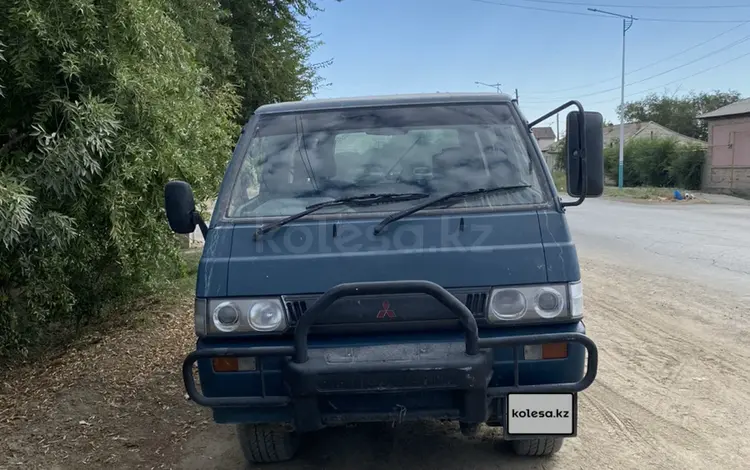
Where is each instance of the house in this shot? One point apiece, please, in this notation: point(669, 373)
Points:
point(644, 130)
point(727, 167)
point(545, 136)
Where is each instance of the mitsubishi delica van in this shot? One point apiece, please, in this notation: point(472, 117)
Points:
point(391, 259)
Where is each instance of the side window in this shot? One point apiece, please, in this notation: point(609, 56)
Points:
point(433, 141)
point(248, 179)
point(506, 154)
point(355, 152)
point(439, 139)
point(358, 154)
point(506, 143)
point(359, 142)
point(268, 160)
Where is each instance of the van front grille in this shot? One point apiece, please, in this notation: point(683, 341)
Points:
point(296, 308)
point(474, 300)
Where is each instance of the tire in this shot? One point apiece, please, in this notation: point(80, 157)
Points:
point(265, 443)
point(537, 447)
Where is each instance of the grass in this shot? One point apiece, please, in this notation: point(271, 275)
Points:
point(191, 258)
point(644, 193)
point(133, 313)
point(560, 181)
point(113, 397)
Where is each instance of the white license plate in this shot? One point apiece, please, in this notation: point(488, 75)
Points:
point(541, 414)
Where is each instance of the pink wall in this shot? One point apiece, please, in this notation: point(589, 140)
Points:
point(731, 141)
point(728, 166)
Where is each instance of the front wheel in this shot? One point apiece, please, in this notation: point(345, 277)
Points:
point(537, 447)
point(265, 443)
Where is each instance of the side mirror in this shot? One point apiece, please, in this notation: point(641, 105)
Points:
point(593, 146)
point(180, 205)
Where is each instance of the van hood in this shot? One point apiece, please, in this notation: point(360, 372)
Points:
point(453, 251)
point(466, 254)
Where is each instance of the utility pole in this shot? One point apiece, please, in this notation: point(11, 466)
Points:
point(496, 86)
point(627, 22)
point(516, 94)
point(557, 135)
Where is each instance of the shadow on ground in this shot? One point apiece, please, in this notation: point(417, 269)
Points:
point(412, 446)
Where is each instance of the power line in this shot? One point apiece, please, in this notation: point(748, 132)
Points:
point(524, 7)
point(710, 54)
point(708, 69)
point(653, 7)
point(496, 86)
point(671, 20)
point(656, 62)
point(577, 13)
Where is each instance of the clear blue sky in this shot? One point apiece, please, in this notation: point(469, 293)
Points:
point(406, 46)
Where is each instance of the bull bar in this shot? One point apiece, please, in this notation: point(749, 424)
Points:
point(469, 372)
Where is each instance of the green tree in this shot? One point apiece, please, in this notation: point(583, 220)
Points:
point(206, 28)
point(102, 103)
point(680, 113)
point(273, 45)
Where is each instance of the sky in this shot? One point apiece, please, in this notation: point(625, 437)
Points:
point(550, 57)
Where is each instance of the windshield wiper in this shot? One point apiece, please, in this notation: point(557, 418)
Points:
point(418, 207)
point(362, 200)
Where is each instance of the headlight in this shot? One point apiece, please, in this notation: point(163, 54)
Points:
point(226, 317)
point(549, 302)
point(265, 316)
point(535, 303)
point(219, 316)
point(507, 304)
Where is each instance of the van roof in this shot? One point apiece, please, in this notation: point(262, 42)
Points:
point(382, 100)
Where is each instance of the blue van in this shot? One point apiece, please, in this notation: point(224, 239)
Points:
point(387, 259)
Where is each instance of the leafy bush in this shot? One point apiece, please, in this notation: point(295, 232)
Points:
point(687, 167)
point(657, 162)
point(561, 154)
point(102, 103)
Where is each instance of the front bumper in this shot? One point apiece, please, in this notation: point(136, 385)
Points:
point(467, 372)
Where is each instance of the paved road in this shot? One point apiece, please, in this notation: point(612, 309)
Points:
point(707, 243)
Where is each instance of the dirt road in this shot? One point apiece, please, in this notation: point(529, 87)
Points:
point(672, 393)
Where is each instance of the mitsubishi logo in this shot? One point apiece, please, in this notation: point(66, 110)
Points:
point(386, 311)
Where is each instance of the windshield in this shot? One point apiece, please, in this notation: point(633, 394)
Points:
point(295, 160)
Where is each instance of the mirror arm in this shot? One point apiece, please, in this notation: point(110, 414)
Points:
point(582, 151)
point(555, 111)
point(198, 220)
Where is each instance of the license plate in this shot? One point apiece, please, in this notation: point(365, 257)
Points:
point(541, 414)
point(390, 353)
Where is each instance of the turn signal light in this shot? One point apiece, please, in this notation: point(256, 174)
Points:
point(545, 351)
point(233, 364)
point(555, 351)
point(225, 364)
